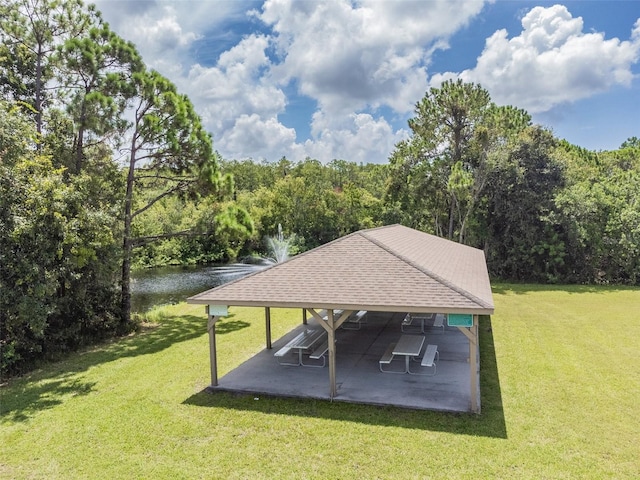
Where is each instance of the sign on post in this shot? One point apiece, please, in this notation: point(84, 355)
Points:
point(218, 310)
point(460, 319)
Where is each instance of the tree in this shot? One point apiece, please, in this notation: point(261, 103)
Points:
point(57, 253)
point(440, 173)
point(70, 199)
point(523, 239)
point(249, 176)
point(170, 154)
point(232, 227)
point(356, 209)
point(600, 211)
point(631, 142)
point(447, 117)
point(31, 31)
point(96, 72)
point(314, 202)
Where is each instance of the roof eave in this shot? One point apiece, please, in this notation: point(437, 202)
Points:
point(479, 310)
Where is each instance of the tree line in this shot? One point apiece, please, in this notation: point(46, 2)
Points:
point(106, 167)
point(90, 140)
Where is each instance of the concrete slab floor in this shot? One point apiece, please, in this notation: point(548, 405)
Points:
point(358, 377)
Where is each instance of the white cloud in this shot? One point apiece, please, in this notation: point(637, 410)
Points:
point(157, 34)
point(354, 137)
point(350, 56)
point(252, 136)
point(551, 62)
point(235, 86)
point(164, 31)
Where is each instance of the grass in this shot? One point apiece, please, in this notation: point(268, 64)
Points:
point(560, 385)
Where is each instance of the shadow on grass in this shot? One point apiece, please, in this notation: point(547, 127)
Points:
point(490, 423)
point(56, 382)
point(40, 396)
point(525, 288)
point(225, 326)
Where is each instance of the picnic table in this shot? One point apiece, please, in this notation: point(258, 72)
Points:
point(354, 321)
point(409, 319)
point(408, 345)
point(301, 344)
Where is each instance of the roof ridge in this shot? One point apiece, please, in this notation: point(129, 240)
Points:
point(426, 271)
point(381, 227)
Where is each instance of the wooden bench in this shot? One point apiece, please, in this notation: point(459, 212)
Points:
point(355, 320)
point(431, 356)
point(387, 357)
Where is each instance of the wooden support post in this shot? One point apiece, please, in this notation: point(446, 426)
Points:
point(322, 322)
point(341, 319)
point(473, 365)
point(472, 335)
point(267, 318)
point(330, 325)
point(331, 338)
point(304, 316)
point(211, 327)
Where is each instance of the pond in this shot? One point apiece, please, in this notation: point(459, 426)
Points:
point(169, 285)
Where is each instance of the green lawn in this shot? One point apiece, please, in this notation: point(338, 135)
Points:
point(560, 386)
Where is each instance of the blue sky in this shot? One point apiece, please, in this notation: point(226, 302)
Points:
point(339, 79)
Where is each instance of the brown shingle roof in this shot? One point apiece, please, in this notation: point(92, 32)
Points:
point(393, 268)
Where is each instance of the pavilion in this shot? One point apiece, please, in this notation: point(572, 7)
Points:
point(392, 269)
